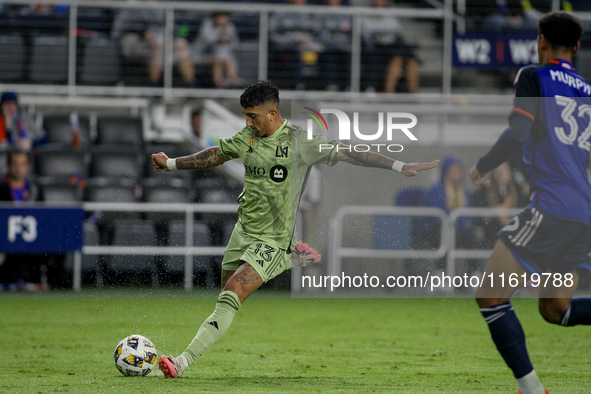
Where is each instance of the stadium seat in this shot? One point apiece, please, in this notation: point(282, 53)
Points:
point(112, 190)
point(218, 196)
point(100, 63)
point(90, 263)
point(126, 130)
point(133, 233)
point(58, 189)
point(171, 190)
point(175, 236)
point(203, 185)
point(12, 48)
point(228, 228)
point(116, 161)
point(94, 19)
point(248, 60)
point(49, 61)
point(62, 161)
point(59, 129)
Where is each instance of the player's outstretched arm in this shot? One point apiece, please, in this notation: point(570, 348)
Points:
point(207, 158)
point(372, 159)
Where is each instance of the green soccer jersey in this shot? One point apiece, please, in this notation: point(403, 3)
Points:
point(276, 170)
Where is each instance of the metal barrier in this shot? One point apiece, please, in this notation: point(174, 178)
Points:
point(188, 250)
point(337, 251)
point(448, 235)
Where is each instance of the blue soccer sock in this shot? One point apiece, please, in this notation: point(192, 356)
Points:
point(579, 312)
point(508, 336)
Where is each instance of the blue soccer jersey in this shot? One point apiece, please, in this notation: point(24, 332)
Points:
point(556, 154)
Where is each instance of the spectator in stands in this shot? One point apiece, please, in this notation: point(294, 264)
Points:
point(503, 193)
point(498, 15)
point(385, 52)
point(217, 39)
point(295, 37)
point(448, 194)
point(19, 271)
point(141, 31)
point(17, 186)
point(335, 35)
point(17, 128)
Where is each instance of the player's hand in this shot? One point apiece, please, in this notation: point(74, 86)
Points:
point(159, 161)
point(478, 177)
point(411, 169)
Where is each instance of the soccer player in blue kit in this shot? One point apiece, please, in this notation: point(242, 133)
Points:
point(551, 122)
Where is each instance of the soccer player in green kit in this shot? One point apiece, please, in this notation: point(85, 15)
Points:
point(277, 158)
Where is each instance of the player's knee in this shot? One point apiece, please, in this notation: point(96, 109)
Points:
point(552, 309)
point(487, 302)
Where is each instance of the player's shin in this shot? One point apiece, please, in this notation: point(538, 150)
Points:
point(214, 327)
point(509, 338)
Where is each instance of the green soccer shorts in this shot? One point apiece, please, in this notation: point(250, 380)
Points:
point(266, 258)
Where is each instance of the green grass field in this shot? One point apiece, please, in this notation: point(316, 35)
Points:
point(64, 342)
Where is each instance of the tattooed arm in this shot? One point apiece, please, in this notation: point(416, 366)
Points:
point(372, 159)
point(207, 158)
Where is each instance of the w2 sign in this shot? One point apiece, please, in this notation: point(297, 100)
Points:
point(495, 50)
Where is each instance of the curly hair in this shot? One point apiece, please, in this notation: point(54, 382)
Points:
point(561, 29)
point(259, 93)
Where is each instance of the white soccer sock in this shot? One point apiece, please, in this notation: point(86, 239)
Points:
point(530, 384)
point(184, 361)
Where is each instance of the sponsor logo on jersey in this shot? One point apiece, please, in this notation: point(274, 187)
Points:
point(250, 150)
point(260, 171)
point(278, 173)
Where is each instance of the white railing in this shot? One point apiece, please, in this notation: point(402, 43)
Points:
point(447, 245)
point(337, 251)
point(188, 250)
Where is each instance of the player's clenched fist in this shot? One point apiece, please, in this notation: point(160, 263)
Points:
point(159, 161)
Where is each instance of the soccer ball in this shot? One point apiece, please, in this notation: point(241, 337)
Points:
point(135, 355)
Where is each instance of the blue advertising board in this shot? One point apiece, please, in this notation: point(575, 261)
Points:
point(40, 229)
point(495, 50)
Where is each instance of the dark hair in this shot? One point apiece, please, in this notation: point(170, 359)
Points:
point(561, 29)
point(259, 93)
point(16, 151)
point(220, 13)
point(8, 96)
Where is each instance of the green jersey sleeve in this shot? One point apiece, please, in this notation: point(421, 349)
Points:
point(231, 147)
point(318, 150)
